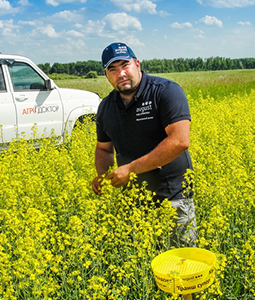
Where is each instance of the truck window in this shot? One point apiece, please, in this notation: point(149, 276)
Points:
point(24, 77)
point(2, 82)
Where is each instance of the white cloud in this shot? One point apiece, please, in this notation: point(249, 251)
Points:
point(30, 23)
point(6, 8)
point(122, 22)
point(24, 3)
point(74, 33)
point(244, 23)
point(112, 24)
point(5, 5)
point(209, 20)
point(48, 31)
point(181, 25)
point(78, 25)
point(132, 41)
point(227, 3)
point(199, 34)
point(66, 16)
point(95, 28)
point(7, 28)
point(74, 44)
point(58, 2)
point(52, 2)
point(67, 48)
point(163, 13)
point(145, 6)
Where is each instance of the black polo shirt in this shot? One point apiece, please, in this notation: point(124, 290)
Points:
point(137, 129)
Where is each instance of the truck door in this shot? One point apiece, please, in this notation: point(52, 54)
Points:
point(8, 128)
point(36, 106)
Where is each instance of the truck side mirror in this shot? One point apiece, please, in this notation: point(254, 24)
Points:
point(49, 84)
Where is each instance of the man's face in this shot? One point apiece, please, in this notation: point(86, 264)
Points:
point(124, 76)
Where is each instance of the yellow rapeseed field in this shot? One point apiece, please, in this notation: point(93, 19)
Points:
point(58, 240)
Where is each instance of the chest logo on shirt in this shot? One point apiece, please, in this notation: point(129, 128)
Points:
point(144, 112)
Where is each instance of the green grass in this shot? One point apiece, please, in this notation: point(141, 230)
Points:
point(216, 84)
point(99, 85)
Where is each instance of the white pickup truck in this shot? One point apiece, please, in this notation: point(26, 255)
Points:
point(29, 98)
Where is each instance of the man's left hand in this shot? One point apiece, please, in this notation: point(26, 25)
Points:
point(120, 176)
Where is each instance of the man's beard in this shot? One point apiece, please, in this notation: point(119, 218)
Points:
point(128, 91)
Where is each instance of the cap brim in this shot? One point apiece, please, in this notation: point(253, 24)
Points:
point(117, 58)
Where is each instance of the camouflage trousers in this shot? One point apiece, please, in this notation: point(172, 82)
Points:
point(185, 231)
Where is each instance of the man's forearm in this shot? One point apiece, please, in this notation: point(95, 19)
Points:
point(176, 142)
point(103, 160)
point(163, 154)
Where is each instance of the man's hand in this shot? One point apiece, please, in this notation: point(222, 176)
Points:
point(96, 184)
point(103, 160)
point(120, 176)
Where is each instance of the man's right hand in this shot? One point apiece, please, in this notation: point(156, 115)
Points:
point(104, 159)
point(96, 184)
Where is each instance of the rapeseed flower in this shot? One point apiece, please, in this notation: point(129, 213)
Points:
point(58, 240)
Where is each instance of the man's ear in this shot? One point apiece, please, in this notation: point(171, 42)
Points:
point(137, 62)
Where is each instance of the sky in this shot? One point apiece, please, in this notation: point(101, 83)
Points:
point(64, 31)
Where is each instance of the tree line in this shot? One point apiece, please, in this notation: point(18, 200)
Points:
point(83, 68)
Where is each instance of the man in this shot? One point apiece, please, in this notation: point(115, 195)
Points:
point(146, 121)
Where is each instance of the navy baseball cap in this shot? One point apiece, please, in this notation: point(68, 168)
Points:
point(116, 51)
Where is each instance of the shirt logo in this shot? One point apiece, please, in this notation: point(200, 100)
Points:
point(143, 112)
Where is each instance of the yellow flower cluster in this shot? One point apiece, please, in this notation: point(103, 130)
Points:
point(58, 240)
point(222, 148)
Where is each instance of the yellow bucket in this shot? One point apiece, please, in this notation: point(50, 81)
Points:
point(184, 270)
